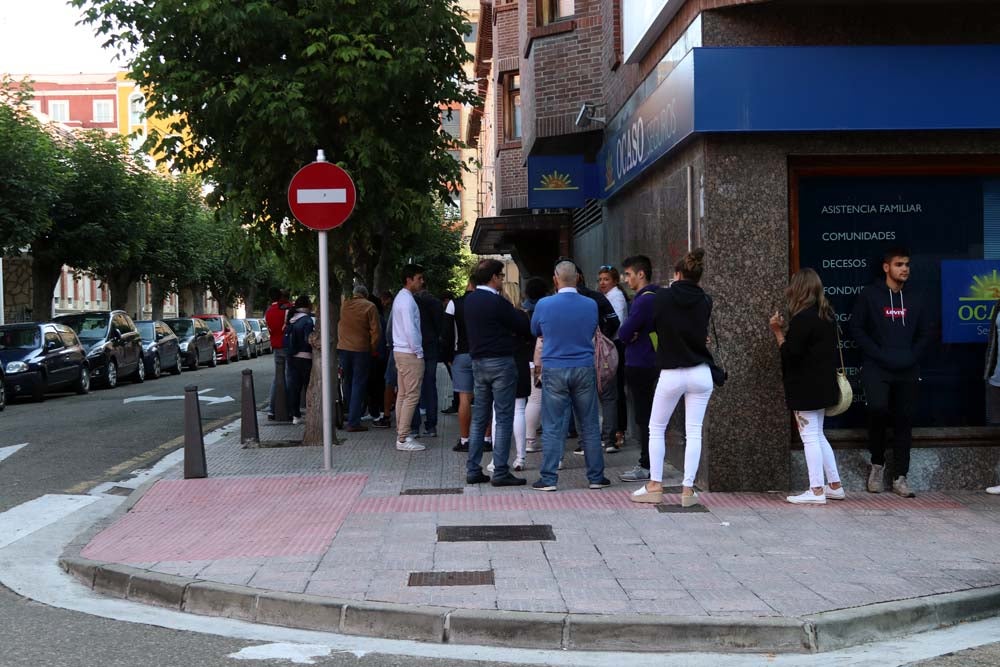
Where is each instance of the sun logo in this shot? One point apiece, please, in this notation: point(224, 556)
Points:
point(557, 181)
point(984, 288)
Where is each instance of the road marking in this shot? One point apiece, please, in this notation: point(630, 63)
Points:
point(145, 458)
point(211, 400)
point(300, 654)
point(8, 451)
point(322, 196)
point(36, 514)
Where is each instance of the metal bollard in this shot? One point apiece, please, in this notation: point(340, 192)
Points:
point(194, 440)
point(249, 432)
point(280, 407)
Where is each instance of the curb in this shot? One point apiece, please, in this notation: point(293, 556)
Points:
point(811, 634)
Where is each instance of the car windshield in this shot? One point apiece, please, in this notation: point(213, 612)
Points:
point(181, 327)
point(254, 324)
point(19, 338)
point(239, 326)
point(87, 326)
point(214, 323)
point(146, 330)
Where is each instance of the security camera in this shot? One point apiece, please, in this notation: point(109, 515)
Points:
point(583, 118)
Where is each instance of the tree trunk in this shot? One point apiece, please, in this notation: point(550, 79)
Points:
point(44, 278)
point(314, 415)
point(120, 285)
point(159, 294)
point(250, 303)
point(383, 279)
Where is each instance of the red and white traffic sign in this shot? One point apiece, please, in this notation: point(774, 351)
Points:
point(321, 196)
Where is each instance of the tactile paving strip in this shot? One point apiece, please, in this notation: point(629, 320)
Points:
point(854, 501)
point(231, 517)
point(498, 502)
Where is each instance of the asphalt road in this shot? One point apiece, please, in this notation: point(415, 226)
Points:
point(76, 442)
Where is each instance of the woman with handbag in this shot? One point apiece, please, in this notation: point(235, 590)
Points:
point(681, 315)
point(809, 348)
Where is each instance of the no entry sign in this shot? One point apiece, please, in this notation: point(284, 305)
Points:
point(321, 196)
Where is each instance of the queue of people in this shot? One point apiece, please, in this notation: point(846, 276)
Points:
point(520, 369)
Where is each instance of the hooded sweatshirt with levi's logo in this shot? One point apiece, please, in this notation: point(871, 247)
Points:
point(891, 328)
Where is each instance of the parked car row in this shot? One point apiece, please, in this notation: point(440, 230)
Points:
point(72, 352)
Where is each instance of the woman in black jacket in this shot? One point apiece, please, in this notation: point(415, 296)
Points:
point(680, 317)
point(809, 371)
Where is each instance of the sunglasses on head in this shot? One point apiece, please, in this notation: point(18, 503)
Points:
point(606, 267)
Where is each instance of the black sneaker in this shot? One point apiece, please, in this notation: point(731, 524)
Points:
point(461, 446)
point(578, 451)
point(542, 486)
point(450, 411)
point(603, 484)
point(508, 480)
point(478, 478)
point(381, 422)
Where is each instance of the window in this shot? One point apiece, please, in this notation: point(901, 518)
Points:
point(548, 11)
point(471, 31)
point(136, 109)
point(59, 110)
point(512, 107)
point(67, 336)
point(34, 105)
point(453, 206)
point(451, 123)
point(52, 340)
point(104, 111)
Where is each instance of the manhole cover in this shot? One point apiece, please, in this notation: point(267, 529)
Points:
point(432, 492)
point(119, 491)
point(480, 578)
point(532, 533)
point(677, 509)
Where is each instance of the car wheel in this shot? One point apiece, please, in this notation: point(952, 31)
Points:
point(157, 369)
point(140, 372)
point(111, 379)
point(82, 385)
point(213, 362)
point(178, 364)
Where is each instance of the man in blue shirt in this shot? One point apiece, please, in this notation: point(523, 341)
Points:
point(567, 322)
point(493, 327)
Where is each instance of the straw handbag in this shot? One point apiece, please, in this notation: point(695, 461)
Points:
point(843, 384)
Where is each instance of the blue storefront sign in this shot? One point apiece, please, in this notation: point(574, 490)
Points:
point(801, 89)
point(560, 181)
point(969, 288)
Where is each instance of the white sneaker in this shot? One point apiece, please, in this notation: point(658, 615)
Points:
point(298, 420)
point(489, 467)
point(518, 464)
point(533, 446)
point(807, 497)
point(837, 494)
point(409, 445)
point(993, 490)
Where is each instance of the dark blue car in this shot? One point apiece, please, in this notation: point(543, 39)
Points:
point(40, 358)
point(160, 348)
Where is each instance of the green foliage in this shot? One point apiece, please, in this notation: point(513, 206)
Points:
point(31, 174)
point(258, 86)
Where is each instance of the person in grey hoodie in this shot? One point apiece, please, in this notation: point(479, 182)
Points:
point(890, 325)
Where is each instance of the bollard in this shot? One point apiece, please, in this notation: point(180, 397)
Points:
point(280, 407)
point(249, 433)
point(194, 440)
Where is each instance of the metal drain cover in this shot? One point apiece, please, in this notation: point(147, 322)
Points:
point(475, 578)
point(529, 533)
point(457, 491)
point(677, 509)
point(119, 491)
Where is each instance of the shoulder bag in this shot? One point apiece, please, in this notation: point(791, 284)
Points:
point(843, 385)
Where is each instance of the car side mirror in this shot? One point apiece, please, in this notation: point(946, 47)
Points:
point(160, 335)
point(116, 334)
point(50, 345)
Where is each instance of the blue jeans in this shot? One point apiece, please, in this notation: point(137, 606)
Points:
point(355, 366)
point(428, 399)
point(279, 353)
point(298, 379)
point(568, 391)
point(495, 386)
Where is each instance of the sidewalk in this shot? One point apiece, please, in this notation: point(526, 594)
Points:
point(365, 549)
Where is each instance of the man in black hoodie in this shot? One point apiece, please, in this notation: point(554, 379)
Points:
point(891, 328)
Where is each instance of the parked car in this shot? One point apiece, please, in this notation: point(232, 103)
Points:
point(263, 335)
point(246, 339)
point(38, 358)
point(195, 340)
point(160, 348)
point(226, 344)
point(113, 344)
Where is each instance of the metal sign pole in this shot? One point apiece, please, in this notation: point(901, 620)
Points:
point(324, 337)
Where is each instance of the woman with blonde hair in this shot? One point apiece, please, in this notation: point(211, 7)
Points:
point(808, 348)
point(681, 314)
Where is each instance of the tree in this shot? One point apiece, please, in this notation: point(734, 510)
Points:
point(31, 174)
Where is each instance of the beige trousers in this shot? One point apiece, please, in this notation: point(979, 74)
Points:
point(410, 374)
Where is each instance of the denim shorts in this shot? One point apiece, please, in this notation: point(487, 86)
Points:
point(461, 373)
